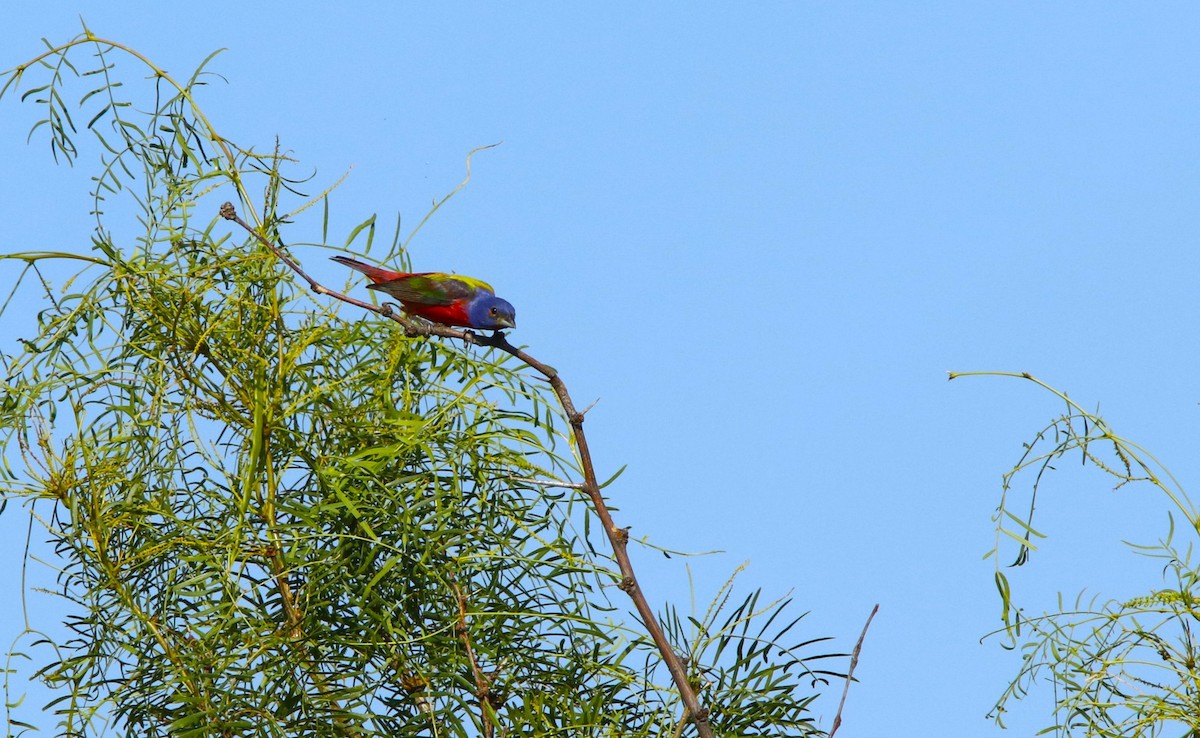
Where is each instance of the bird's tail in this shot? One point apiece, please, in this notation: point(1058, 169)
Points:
point(375, 273)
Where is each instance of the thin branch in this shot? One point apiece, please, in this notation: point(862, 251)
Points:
point(837, 719)
point(547, 482)
point(483, 690)
point(618, 537)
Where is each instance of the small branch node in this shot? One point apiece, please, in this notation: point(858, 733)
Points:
point(228, 211)
point(627, 585)
point(499, 340)
point(415, 685)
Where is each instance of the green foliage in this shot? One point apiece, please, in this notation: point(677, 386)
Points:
point(753, 674)
point(273, 520)
point(1128, 669)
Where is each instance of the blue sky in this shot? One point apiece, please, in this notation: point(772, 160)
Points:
point(761, 235)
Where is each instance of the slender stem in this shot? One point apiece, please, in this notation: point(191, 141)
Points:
point(837, 719)
point(618, 537)
point(482, 683)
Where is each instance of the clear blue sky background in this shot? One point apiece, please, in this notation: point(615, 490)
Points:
point(761, 234)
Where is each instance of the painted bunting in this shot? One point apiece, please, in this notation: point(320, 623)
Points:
point(442, 298)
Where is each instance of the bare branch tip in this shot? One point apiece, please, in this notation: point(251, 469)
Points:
point(228, 211)
point(837, 718)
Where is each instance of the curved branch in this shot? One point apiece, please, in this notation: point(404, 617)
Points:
point(618, 537)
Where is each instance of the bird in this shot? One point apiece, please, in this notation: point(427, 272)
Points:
point(449, 299)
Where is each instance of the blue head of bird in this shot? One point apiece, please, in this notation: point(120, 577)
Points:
point(491, 313)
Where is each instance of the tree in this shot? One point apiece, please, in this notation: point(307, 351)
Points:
point(271, 519)
point(1128, 669)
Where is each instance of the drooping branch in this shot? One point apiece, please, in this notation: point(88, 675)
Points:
point(618, 537)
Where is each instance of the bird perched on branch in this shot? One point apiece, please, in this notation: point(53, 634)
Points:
point(448, 299)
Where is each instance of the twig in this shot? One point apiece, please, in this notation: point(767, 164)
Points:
point(837, 719)
point(483, 688)
point(547, 482)
point(618, 537)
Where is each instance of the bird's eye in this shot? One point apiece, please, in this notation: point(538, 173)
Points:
point(494, 311)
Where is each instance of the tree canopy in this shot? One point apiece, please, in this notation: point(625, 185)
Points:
point(275, 513)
